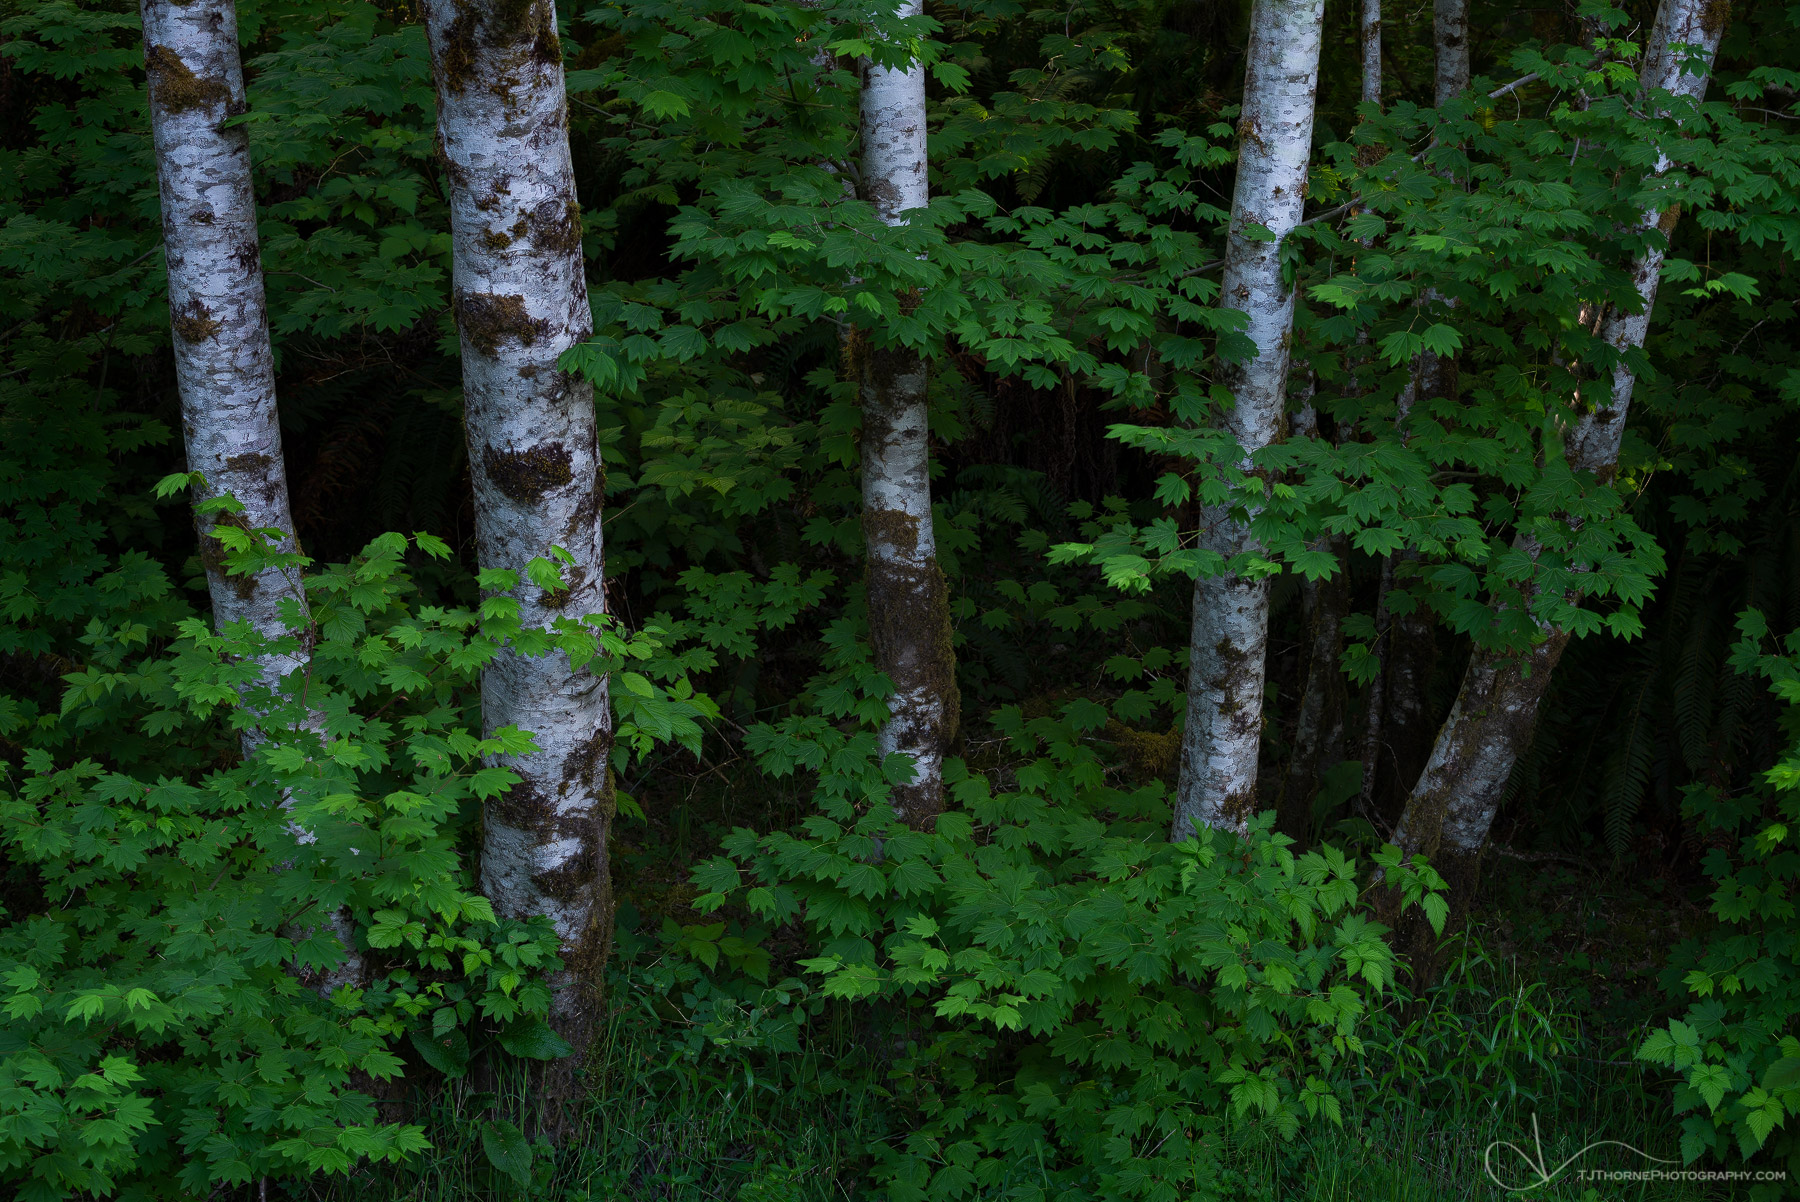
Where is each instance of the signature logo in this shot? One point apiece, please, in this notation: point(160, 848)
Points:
point(1504, 1155)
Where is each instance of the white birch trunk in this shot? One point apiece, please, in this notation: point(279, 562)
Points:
point(1222, 736)
point(908, 600)
point(1452, 807)
point(521, 300)
point(224, 365)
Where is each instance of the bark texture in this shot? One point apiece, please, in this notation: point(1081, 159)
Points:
point(1222, 736)
point(224, 365)
point(1371, 52)
point(909, 603)
point(1699, 24)
point(1450, 35)
point(521, 300)
point(1452, 808)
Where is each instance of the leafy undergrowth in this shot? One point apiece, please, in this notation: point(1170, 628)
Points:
point(720, 1077)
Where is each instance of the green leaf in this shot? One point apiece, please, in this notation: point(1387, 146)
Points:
point(449, 1054)
point(532, 1039)
point(507, 1150)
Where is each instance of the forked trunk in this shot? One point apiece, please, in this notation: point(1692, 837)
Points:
point(1222, 737)
point(1452, 808)
point(224, 365)
point(521, 301)
point(908, 599)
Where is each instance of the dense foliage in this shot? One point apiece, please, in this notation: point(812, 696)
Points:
point(1048, 998)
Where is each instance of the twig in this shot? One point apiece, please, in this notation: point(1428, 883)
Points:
point(1539, 857)
point(1520, 82)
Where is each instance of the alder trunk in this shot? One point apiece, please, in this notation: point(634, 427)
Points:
point(1450, 36)
point(1222, 737)
point(224, 367)
point(1371, 52)
point(1398, 736)
point(224, 364)
point(908, 598)
point(520, 302)
point(1452, 807)
point(1319, 724)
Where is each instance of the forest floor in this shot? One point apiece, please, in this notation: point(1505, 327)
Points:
point(1523, 1047)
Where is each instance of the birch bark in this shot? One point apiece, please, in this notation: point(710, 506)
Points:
point(520, 301)
point(1223, 733)
point(908, 598)
point(224, 365)
point(224, 368)
point(1452, 808)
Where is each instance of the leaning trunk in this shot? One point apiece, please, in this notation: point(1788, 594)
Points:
point(520, 302)
point(224, 366)
point(1398, 734)
point(909, 602)
point(1222, 736)
point(1452, 808)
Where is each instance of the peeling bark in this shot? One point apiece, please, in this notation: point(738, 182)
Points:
point(1222, 737)
point(520, 301)
point(908, 599)
point(224, 365)
point(1452, 808)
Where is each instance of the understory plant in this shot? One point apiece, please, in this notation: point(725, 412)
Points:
point(1736, 1050)
point(1089, 1006)
point(176, 1017)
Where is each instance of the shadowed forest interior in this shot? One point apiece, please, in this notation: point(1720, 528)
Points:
point(720, 599)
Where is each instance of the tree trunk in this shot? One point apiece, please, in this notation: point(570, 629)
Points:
point(1400, 734)
point(908, 598)
point(1222, 736)
point(1319, 725)
point(1371, 52)
point(1450, 35)
point(224, 365)
point(1397, 736)
point(1452, 808)
point(520, 301)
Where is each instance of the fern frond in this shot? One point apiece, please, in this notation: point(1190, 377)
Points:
point(1628, 770)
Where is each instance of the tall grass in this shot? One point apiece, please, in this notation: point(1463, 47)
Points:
point(1448, 1079)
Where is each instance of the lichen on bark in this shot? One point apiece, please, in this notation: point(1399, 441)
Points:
point(175, 88)
point(525, 476)
point(488, 320)
point(521, 301)
point(1221, 738)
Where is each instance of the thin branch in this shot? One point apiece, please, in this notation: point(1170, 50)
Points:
point(1520, 82)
